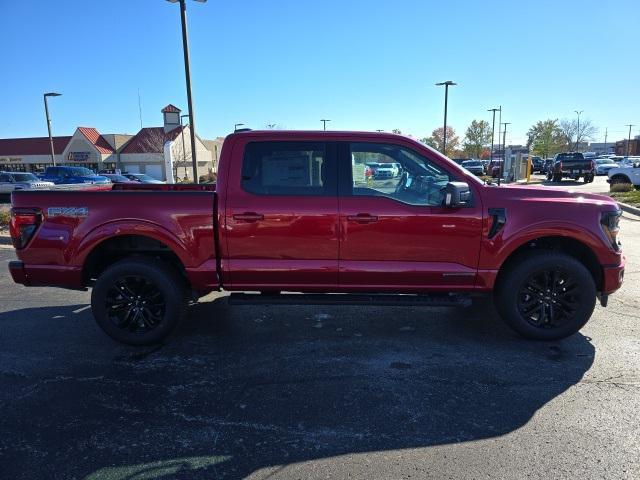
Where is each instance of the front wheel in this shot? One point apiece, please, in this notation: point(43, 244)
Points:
point(546, 296)
point(139, 301)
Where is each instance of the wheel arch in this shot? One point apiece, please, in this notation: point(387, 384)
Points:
point(109, 250)
point(556, 243)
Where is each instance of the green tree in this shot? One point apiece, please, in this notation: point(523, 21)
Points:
point(396, 131)
point(546, 138)
point(477, 137)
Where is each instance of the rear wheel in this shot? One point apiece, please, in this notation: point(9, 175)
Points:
point(546, 296)
point(139, 301)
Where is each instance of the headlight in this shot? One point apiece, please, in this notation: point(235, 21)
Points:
point(609, 221)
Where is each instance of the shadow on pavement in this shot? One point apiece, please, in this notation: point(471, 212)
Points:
point(235, 391)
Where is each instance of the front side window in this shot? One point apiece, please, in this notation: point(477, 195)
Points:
point(287, 168)
point(399, 174)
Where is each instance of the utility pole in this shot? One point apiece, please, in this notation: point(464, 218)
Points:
point(324, 123)
point(46, 112)
point(493, 128)
point(446, 84)
point(629, 139)
point(605, 139)
point(578, 130)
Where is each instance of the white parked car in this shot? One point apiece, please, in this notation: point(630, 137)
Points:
point(625, 174)
point(10, 181)
point(603, 165)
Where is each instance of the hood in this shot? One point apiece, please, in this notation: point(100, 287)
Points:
point(541, 197)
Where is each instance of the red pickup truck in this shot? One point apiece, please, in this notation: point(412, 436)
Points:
point(295, 212)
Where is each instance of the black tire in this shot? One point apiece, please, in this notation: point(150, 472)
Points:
point(540, 313)
point(139, 301)
point(557, 178)
point(619, 179)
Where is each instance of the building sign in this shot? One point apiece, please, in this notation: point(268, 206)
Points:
point(10, 159)
point(78, 156)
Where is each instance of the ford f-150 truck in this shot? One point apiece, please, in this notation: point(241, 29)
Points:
point(294, 219)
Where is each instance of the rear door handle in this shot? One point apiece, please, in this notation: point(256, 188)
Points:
point(248, 217)
point(362, 218)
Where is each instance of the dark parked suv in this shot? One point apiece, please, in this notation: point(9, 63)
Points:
point(571, 165)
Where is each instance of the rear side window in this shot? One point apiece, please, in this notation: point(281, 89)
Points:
point(288, 168)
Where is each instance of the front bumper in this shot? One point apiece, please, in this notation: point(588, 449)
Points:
point(16, 268)
point(613, 277)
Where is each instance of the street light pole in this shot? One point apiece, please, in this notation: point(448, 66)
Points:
point(504, 147)
point(187, 74)
point(324, 123)
point(493, 129)
point(446, 84)
point(629, 139)
point(236, 125)
point(46, 112)
point(184, 151)
point(578, 130)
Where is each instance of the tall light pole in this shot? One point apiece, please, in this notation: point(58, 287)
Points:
point(504, 147)
point(493, 129)
point(324, 123)
point(606, 130)
point(236, 125)
point(446, 84)
point(578, 129)
point(46, 112)
point(184, 151)
point(629, 138)
point(187, 74)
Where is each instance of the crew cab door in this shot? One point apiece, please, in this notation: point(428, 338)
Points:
point(281, 216)
point(396, 235)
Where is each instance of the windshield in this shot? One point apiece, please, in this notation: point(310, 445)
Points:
point(472, 163)
point(142, 176)
point(81, 172)
point(25, 177)
point(605, 161)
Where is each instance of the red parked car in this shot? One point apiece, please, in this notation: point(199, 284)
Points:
point(289, 214)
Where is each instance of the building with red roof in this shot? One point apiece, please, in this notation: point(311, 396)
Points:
point(162, 152)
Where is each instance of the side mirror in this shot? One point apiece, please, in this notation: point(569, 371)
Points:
point(456, 194)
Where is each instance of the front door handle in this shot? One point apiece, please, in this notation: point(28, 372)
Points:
point(248, 217)
point(362, 218)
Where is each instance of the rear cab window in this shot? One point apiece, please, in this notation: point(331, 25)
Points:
point(288, 168)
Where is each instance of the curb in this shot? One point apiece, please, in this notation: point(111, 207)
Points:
point(629, 209)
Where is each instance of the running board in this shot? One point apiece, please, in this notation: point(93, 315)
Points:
point(435, 300)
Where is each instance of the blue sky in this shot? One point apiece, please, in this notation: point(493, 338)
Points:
point(363, 64)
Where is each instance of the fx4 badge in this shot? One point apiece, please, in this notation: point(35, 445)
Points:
point(76, 212)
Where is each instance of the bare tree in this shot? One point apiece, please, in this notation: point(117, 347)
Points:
point(182, 154)
point(587, 131)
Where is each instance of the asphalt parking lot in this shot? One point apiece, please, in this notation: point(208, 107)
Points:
point(307, 392)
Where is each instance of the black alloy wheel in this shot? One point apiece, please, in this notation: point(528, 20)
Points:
point(549, 298)
point(135, 304)
point(139, 300)
point(545, 295)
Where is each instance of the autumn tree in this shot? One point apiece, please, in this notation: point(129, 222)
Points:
point(436, 140)
point(546, 138)
point(477, 137)
point(586, 131)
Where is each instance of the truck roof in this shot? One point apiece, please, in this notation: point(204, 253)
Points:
point(316, 133)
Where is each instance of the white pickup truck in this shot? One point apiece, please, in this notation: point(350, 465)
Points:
point(629, 173)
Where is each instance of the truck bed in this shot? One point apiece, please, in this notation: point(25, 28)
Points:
point(172, 220)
